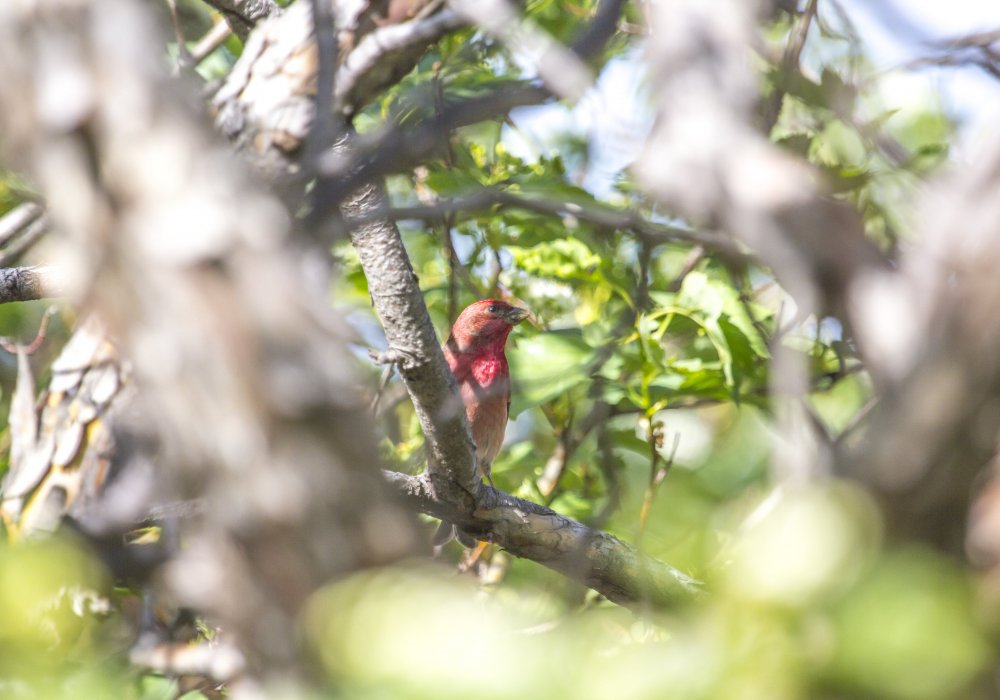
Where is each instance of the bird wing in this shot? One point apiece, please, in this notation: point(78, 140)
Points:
point(459, 366)
point(507, 416)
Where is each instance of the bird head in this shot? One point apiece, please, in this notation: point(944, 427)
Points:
point(486, 322)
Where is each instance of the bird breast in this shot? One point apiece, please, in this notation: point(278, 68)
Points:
point(485, 393)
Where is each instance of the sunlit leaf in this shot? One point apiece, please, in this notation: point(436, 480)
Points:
point(545, 366)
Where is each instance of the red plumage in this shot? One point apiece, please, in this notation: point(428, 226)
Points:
point(475, 354)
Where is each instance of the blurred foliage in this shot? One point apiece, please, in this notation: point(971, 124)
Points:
point(803, 598)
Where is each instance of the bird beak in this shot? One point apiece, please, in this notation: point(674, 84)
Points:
point(516, 314)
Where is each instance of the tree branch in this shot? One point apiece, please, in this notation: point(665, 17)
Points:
point(611, 567)
point(243, 15)
point(597, 215)
point(396, 148)
point(352, 87)
point(416, 352)
point(29, 284)
point(18, 219)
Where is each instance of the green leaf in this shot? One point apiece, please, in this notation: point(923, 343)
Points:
point(563, 259)
point(547, 365)
point(910, 630)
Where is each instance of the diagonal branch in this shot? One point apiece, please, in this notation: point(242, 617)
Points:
point(611, 567)
point(596, 214)
point(398, 147)
point(243, 15)
point(29, 284)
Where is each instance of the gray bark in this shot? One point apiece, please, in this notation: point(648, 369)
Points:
point(29, 283)
point(246, 393)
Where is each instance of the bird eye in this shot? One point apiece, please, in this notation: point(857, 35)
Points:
point(492, 308)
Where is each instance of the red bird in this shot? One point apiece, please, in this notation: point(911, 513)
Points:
point(475, 354)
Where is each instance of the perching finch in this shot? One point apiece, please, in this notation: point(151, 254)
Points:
point(475, 354)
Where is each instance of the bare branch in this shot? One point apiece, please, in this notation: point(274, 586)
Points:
point(389, 40)
point(18, 219)
point(408, 329)
point(243, 15)
point(601, 216)
point(611, 567)
point(563, 71)
point(213, 39)
point(29, 284)
point(25, 240)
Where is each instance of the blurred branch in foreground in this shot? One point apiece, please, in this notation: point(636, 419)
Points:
point(248, 398)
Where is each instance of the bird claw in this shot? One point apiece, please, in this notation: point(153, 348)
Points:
point(403, 358)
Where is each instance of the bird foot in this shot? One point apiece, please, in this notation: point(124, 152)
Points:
point(403, 358)
point(472, 556)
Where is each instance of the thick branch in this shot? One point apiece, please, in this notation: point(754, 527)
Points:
point(29, 284)
point(611, 567)
point(400, 147)
point(243, 15)
point(415, 350)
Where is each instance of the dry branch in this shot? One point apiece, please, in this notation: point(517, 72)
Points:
point(601, 561)
point(29, 284)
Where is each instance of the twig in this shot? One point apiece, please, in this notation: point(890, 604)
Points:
point(29, 284)
point(855, 422)
point(976, 49)
point(789, 64)
point(451, 256)
point(29, 349)
point(556, 464)
point(17, 219)
point(213, 39)
point(594, 214)
point(324, 130)
point(696, 255)
point(609, 470)
point(657, 473)
point(28, 238)
point(184, 58)
point(741, 284)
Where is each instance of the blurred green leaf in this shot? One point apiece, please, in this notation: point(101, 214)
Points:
point(909, 631)
point(547, 365)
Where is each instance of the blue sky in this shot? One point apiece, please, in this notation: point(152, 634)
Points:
point(896, 32)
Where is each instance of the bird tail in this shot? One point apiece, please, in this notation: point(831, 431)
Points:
point(445, 533)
